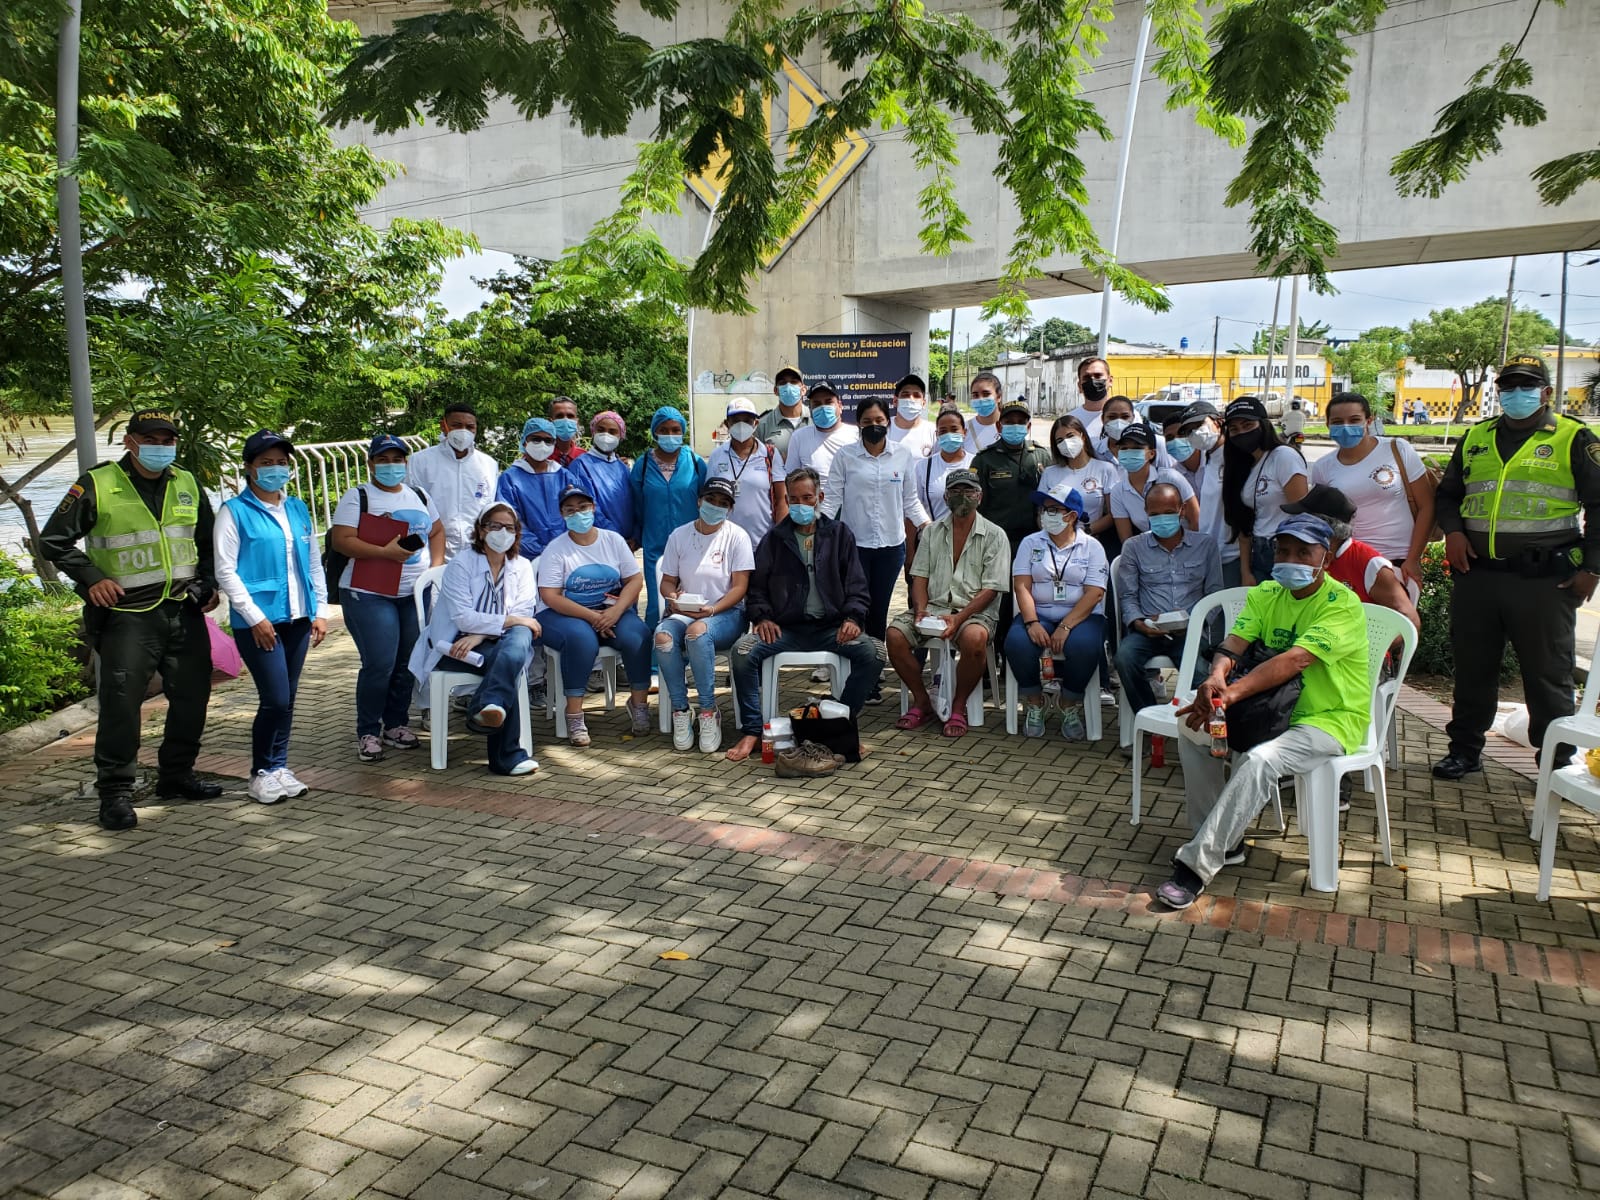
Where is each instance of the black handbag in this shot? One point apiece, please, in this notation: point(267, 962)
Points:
point(842, 735)
point(1265, 715)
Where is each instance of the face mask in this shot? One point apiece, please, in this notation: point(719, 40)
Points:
point(390, 474)
point(606, 443)
point(873, 435)
point(1095, 389)
point(670, 443)
point(538, 451)
point(1347, 435)
point(272, 479)
point(1117, 427)
point(1205, 438)
point(712, 514)
point(1248, 442)
point(1294, 576)
point(984, 405)
point(499, 540)
point(1180, 449)
point(963, 504)
point(909, 409)
point(1516, 403)
point(156, 458)
point(1070, 447)
point(803, 514)
point(741, 431)
point(1013, 435)
point(951, 442)
point(566, 428)
point(1053, 522)
point(825, 418)
point(1131, 460)
point(579, 522)
point(1164, 525)
point(789, 394)
point(460, 439)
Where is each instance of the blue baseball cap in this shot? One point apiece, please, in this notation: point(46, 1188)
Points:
point(1065, 495)
point(1312, 530)
point(571, 490)
point(535, 425)
point(387, 441)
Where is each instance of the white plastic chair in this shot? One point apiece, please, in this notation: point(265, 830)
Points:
point(839, 669)
point(943, 656)
point(1573, 782)
point(1161, 720)
point(441, 680)
point(1093, 718)
point(1316, 791)
point(663, 704)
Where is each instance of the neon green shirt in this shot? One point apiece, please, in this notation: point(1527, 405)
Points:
point(1329, 624)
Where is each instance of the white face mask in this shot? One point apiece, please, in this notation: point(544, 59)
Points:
point(606, 443)
point(1117, 427)
point(1204, 439)
point(909, 409)
point(1070, 447)
point(741, 431)
point(499, 540)
point(461, 439)
point(1053, 522)
point(538, 451)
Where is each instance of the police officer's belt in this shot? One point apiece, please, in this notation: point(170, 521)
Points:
point(1535, 562)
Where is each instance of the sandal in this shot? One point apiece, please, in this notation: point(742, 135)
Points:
point(956, 726)
point(915, 718)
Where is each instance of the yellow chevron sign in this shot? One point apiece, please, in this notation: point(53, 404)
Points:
point(789, 110)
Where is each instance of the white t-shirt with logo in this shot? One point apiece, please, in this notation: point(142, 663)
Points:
point(586, 575)
point(404, 505)
point(704, 563)
point(1263, 488)
point(1093, 482)
point(752, 478)
point(921, 439)
point(1383, 513)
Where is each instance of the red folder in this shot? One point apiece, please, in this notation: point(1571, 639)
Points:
point(380, 575)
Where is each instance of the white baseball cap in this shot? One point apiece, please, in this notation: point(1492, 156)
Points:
point(741, 407)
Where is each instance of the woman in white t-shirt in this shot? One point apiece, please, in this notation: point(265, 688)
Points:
point(589, 585)
point(380, 613)
point(1135, 451)
point(1259, 476)
point(951, 452)
point(1073, 464)
point(709, 559)
point(1383, 478)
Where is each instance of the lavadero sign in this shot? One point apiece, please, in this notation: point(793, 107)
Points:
point(857, 364)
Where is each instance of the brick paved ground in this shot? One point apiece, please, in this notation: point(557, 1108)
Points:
point(935, 975)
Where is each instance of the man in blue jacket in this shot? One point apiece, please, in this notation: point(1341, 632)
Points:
point(807, 593)
point(532, 485)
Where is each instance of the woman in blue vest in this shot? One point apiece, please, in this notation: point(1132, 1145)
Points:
point(666, 494)
point(267, 567)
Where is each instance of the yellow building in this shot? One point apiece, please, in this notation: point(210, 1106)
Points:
point(1440, 390)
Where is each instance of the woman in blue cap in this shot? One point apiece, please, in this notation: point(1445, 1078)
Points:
point(666, 494)
point(532, 486)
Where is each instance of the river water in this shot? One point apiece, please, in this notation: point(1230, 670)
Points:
point(44, 492)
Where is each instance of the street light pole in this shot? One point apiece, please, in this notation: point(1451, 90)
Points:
point(1122, 172)
point(1216, 332)
point(1561, 338)
point(69, 218)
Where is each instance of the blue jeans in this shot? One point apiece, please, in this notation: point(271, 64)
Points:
point(1082, 654)
point(882, 566)
point(1263, 553)
point(277, 676)
point(575, 640)
point(384, 628)
point(721, 632)
point(1134, 652)
point(749, 652)
point(503, 660)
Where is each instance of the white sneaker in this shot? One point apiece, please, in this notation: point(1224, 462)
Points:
point(682, 730)
point(710, 730)
point(265, 788)
point(1033, 722)
point(291, 786)
point(526, 767)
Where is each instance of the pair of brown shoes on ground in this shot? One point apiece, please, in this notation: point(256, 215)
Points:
point(807, 759)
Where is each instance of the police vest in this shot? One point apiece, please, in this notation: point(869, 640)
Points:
point(127, 544)
point(1531, 500)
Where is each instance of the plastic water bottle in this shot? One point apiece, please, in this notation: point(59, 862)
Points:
point(1217, 727)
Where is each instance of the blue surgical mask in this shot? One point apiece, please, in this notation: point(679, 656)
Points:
point(826, 417)
point(1516, 403)
point(1294, 576)
point(389, 474)
point(951, 442)
point(580, 522)
point(1131, 460)
point(1347, 435)
point(272, 479)
point(789, 394)
point(670, 443)
point(1013, 435)
point(712, 514)
point(1180, 449)
point(910, 408)
point(566, 428)
point(985, 405)
point(1164, 525)
point(156, 458)
point(803, 514)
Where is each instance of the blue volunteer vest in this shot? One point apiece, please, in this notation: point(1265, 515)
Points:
point(261, 567)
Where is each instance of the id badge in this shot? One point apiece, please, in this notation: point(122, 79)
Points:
point(1059, 592)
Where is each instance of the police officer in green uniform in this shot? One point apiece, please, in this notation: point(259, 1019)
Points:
point(1008, 470)
point(1522, 561)
point(145, 573)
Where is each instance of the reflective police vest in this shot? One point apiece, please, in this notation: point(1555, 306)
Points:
point(1531, 500)
point(127, 544)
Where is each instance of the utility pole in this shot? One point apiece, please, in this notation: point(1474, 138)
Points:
point(1216, 330)
point(950, 354)
point(1505, 324)
point(1561, 338)
point(69, 217)
point(1272, 337)
point(1292, 346)
point(1122, 171)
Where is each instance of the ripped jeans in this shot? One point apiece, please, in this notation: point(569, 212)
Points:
point(722, 630)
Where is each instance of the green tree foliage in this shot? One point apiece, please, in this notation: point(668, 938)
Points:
point(1057, 332)
point(39, 644)
point(1367, 360)
point(1263, 341)
point(1467, 341)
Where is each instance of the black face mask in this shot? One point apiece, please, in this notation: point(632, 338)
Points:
point(873, 434)
point(1095, 388)
point(1248, 442)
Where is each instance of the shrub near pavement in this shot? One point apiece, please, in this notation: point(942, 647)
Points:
point(41, 648)
point(1434, 655)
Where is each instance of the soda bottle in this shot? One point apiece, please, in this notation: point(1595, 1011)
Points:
point(768, 755)
point(1217, 727)
point(1047, 674)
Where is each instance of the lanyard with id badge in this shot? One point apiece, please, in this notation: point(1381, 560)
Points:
point(1058, 571)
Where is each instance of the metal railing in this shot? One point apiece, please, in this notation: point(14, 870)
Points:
point(324, 471)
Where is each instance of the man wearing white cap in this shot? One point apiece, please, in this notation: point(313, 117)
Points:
point(755, 469)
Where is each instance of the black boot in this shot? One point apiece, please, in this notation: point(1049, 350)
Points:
point(1455, 764)
point(116, 812)
point(188, 787)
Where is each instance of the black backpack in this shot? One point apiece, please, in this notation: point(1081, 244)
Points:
point(333, 563)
